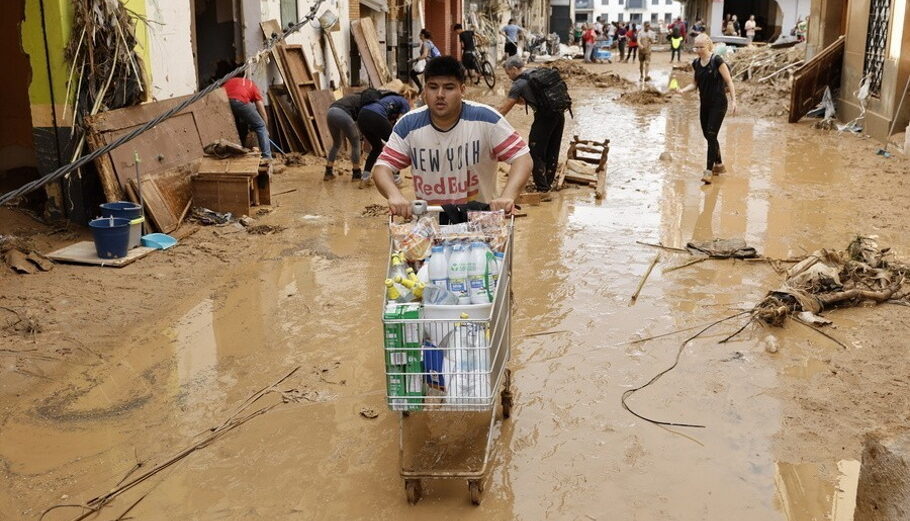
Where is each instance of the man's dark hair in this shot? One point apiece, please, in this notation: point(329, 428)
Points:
point(511, 21)
point(444, 66)
point(456, 27)
point(426, 34)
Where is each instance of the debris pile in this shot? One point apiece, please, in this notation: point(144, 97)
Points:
point(572, 71)
point(21, 257)
point(375, 210)
point(646, 96)
point(828, 279)
point(766, 76)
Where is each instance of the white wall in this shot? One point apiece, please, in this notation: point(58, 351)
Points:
point(173, 68)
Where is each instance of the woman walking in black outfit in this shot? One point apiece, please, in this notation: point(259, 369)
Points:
point(712, 78)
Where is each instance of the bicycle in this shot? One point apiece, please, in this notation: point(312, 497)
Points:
point(483, 68)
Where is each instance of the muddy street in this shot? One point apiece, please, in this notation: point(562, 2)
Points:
point(133, 366)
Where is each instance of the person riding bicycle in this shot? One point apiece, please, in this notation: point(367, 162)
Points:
point(468, 50)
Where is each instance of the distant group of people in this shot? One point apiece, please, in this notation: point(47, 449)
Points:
point(732, 27)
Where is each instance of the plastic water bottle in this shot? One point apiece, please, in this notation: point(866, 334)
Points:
point(458, 273)
point(477, 282)
point(439, 267)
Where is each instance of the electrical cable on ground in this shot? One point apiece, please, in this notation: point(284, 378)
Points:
point(656, 377)
point(84, 160)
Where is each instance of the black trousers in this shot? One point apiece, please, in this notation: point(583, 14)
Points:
point(712, 115)
point(676, 52)
point(544, 141)
point(511, 49)
point(376, 128)
point(416, 77)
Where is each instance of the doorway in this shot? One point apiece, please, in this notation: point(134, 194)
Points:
point(768, 16)
point(18, 162)
point(217, 36)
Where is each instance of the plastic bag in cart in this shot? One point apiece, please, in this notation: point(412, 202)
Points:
point(466, 364)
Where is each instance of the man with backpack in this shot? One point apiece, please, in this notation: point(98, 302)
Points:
point(544, 90)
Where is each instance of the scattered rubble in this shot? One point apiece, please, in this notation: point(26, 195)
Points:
point(765, 77)
point(829, 278)
point(265, 229)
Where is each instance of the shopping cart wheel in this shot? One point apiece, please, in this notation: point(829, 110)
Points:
point(475, 486)
point(506, 395)
point(413, 489)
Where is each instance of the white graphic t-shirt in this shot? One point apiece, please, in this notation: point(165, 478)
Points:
point(458, 165)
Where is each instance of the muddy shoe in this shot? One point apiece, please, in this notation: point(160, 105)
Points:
point(546, 197)
point(328, 177)
point(719, 168)
point(366, 180)
point(706, 177)
point(355, 175)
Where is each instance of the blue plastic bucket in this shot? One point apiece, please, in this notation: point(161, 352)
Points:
point(121, 209)
point(112, 236)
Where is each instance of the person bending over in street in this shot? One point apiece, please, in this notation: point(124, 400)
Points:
point(428, 51)
point(341, 118)
point(453, 147)
point(712, 79)
point(468, 47)
point(375, 123)
point(249, 111)
point(646, 39)
point(512, 32)
point(546, 130)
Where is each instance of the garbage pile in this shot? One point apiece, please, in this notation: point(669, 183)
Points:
point(827, 279)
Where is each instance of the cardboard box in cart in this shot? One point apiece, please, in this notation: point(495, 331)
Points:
point(404, 357)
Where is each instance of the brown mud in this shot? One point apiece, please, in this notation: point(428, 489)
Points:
point(133, 365)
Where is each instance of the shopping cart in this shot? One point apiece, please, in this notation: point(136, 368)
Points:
point(444, 373)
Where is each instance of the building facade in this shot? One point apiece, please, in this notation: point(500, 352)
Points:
point(635, 11)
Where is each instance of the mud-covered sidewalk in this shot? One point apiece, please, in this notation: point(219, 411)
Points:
point(119, 370)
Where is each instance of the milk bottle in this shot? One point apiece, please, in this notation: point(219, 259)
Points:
point(439, 267)
point(458, 273)
point(477, 282)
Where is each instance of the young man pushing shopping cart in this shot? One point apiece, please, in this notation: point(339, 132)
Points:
point(453, 147)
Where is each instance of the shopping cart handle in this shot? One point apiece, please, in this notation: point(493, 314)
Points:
point(420, 207)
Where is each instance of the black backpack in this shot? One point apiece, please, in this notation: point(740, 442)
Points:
point(371, 95)
point(551, 91)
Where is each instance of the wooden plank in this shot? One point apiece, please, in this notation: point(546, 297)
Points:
point(320, 101)
point(110, 185)
point(84, 253)
point(376, 52)
point(293, 123)
point(299, 82)
point(291, 142)
point(601, 187)
point(342, 73)
point(248, 165)
point(810, 80)
point(529, 198)
point(580, 179)
point(162, 217)
point(270, 27)
point(363, 47)
point(561, 176)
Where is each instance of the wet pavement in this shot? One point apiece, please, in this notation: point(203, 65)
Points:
point(569, 451)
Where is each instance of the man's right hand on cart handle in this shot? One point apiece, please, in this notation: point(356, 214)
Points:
point(519, 174)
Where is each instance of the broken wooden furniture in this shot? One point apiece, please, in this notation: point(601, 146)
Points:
point(374, 60)
point(586, 164)
point(232, 185)
point(168, 153)
point(811, 79)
